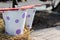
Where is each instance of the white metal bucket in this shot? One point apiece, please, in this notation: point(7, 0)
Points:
point(30, 17)
point(14, 21)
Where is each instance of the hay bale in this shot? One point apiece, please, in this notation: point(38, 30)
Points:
point(25, 36)
point(3, 36)
point(1, 25)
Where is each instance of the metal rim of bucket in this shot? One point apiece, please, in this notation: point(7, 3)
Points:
point(21, 8)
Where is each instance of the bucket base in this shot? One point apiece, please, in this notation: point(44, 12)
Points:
point(3, 36)
point(25, 36)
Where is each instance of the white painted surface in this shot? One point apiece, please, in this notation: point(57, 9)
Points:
point(30, 17)
point(14, 20)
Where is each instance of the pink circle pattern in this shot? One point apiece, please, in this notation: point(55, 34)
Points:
point(18, 31)
point(28, 26)
point(17, 20)
point(8, 18)
point(28, 15)
point(23, 15)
